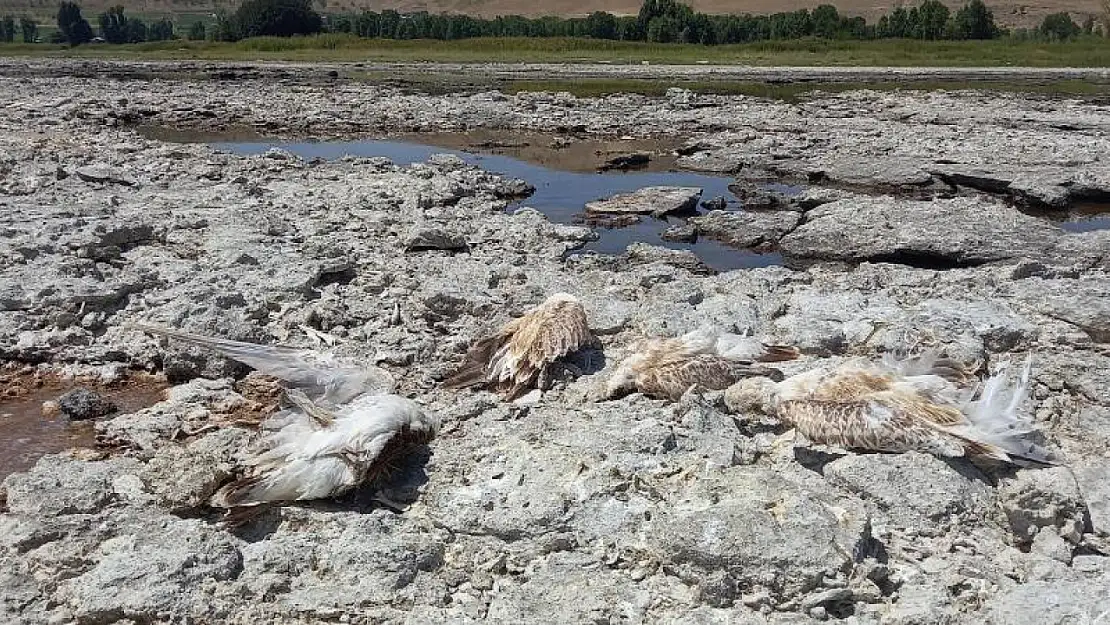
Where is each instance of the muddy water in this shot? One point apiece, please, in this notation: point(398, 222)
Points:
point(26, 434)
point(565, 174)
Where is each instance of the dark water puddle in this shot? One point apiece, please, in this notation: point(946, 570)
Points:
point(565, 178)
point(1087, 217)
point(26, 434)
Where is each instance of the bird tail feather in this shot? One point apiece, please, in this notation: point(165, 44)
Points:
point(475, 367)
point(998, 423)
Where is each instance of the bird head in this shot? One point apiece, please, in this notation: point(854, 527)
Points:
point(752, 395)
point(623, 379)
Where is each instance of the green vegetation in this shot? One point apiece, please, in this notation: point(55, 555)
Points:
point(1059, 27)
point(272, 18)
point(658, 21)
point(30, 29)
point(1081, 52)
point(73, 27)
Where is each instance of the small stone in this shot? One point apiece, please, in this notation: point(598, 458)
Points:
point(656, 201)
point(1048, 543)
point(51, 409)
point(435, 239)
point(103, 175)
point(625, 162)
point(681, 233)
point(718, 203)
point(82, 403)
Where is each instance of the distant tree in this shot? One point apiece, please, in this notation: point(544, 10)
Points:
point(7, 29)
point(136, 31)
point(366, 24)
point(826, 20)
point(278, 18)
point(226, 29)
point(197, 31)
point(162, 30)
point(340, 24)
point(662, 30)
point(113, 25)
point(628, 29)
point(601, 25)
point(74, 28)
point(932, 20)
point(1105, 18)
point(975, 21)
point(899, 25)
point(1089, 25)
point(30, 29)
point(1059, 26)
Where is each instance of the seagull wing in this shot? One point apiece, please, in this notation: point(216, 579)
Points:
point(320, 375)
point(673, 377)
point(303, 461)
point(549, 333)
point(523, 347)
point(869, 424)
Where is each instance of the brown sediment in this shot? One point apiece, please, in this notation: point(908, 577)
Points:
point(30, 430)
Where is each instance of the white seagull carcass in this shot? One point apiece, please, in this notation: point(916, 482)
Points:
point(345, 428)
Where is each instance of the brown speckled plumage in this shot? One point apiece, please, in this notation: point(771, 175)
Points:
point(512, 359)
point(896, 407)
point(665, 368)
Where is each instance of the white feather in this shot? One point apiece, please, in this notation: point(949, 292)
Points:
point(307, 462)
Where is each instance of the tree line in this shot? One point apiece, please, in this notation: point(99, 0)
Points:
point(660, 21)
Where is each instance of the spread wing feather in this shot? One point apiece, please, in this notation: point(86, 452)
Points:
point(320, 375)
point(512, 359)
point(873, 425)
point(304, 461)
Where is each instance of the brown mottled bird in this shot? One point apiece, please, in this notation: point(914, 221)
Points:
point(925, 404)
point(707, 357)
point(525, 351)
point(344, 429)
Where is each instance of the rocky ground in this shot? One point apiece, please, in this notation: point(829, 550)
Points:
point(558, 508)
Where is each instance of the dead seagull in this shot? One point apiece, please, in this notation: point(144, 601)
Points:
point(925, 404)
point(665, 368)
point(525, 352)
point(345, 427)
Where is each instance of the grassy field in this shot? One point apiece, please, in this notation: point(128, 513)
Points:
point(1087, 52)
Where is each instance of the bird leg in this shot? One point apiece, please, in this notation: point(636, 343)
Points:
point(318, 414)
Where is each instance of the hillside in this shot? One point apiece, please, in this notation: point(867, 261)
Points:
point(1011, 13)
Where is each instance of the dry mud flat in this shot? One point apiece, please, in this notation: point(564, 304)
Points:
point(617, 512)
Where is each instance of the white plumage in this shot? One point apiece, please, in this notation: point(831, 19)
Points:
point(344, 428)
point(304, 460)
